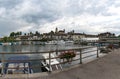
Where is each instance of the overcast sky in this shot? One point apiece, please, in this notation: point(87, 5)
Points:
point(88, 16)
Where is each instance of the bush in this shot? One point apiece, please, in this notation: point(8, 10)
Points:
point(84, 43)
point(110, 46)
point(67, 55)
point(104, 50)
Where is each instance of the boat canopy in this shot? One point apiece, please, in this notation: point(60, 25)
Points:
point(18, 60)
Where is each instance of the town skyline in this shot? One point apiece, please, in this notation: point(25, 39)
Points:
point(55, 31)
point(56, 35)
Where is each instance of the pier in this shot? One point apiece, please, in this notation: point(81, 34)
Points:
point(106, 67)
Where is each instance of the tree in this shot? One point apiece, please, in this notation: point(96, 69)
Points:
point(30, 33)
point(20, 33)
point(8, 39)
point(37, 33)
point(12, 34)
point(5, 39)
point(17, 34)
point(25, 34)
point(51, 32)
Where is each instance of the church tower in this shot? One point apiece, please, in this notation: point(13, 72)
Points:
point(56, 30)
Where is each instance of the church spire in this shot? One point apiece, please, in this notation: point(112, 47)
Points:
point(56, 30)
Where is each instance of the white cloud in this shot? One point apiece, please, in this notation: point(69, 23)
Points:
point(114, 10)
point(2, 11)
point(26, 8)
point(26, 29)
point(45, 15)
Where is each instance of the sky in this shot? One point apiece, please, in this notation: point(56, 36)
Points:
point(88, 16)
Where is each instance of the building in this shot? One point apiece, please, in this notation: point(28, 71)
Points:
point(59, 31)
point(106, 35)
point(90, 38)
point(75, 36)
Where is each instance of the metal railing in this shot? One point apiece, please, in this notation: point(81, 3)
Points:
point(79, 57)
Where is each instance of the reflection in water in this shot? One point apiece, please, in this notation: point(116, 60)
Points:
point(34, 48)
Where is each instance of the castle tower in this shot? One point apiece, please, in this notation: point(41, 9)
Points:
point(56, 30)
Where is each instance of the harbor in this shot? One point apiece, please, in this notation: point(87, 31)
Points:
point(90, 64)
point(88, 54)
point(70, 39)
point(31, 56)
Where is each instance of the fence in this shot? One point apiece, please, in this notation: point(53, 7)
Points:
point(79, 56)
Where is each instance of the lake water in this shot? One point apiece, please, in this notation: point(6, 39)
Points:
point(40, 48)
point(32, 48)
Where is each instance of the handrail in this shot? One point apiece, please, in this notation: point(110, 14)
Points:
point(88, 51)
point(79, 49)
point(58, 50)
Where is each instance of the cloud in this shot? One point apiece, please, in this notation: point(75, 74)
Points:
point(7, 26)
point(114, 10)
point(9, 4)
point(45, 15)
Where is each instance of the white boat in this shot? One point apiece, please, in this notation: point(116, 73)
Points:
point(54, 62)
point(51, 43)
point(55, 42)
point(6, 44)
point(69, 42)
point(60, 42)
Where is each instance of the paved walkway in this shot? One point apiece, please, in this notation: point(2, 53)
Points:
point(107, 67)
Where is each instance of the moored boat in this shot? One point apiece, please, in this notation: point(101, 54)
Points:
point(18, 65)
point(7, 43)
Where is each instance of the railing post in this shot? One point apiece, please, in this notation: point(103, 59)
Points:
point(80, 56)
point(57, 50)
point(97, 52)
point(2, 60)
point(50, 62)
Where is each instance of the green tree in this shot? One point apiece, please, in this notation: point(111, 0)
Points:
point(12, 34)
point(20, 33)
point(25, 34)
point(5, 39)
point(37, 33)
point(8, 39)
